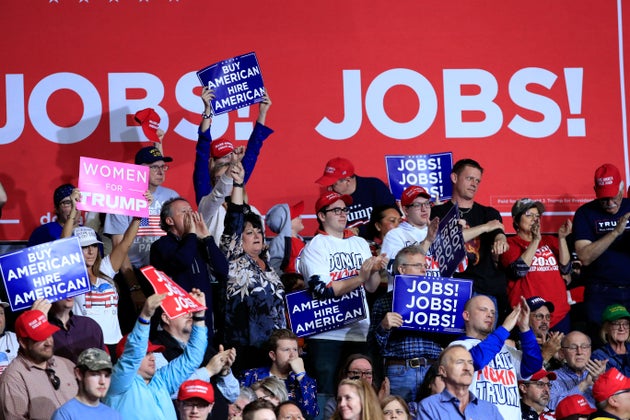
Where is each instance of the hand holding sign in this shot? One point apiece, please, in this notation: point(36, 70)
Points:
point(42, 305)
point(151, 304)
point(263, 108)
point(200, 297)
point(178, 301)
point(391, 320)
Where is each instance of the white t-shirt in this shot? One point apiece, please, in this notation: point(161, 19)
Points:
point(335, 259)
point(101, 304)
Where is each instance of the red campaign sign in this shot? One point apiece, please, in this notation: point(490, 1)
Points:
point(535, 91)
point(177, 302)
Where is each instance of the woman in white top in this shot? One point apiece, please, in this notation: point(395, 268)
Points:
point(101, 302)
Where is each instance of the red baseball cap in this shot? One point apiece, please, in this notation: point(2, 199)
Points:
point(297, 209)
point(329, 197)
point(609, 383)
point(220, 148)
point(542, 373)
point(151, 348)
point(411, 193)
point(33, 324)
point(336, 169)
point(150, 122)
point(196, 389)
point(607, 181)
point(573, 404)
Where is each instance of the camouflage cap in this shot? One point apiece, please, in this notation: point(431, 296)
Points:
point(94, 359)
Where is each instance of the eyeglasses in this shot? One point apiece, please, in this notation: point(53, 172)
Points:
point(622, 325)
point(533, 215)
point(356, 374)
point(156, 168)
point(425, 205)
point(540, 317)
point(539, 384)
point(416, 265)
point(623, 391)
point(574, 347)
point(267, 393)
point(189, 405)
point(54, 379)
point(337, 210)
point(65, 203)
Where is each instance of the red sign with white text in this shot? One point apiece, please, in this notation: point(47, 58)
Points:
point(177, 302)
point(534, 91)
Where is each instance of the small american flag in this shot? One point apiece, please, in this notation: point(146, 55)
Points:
point(150, 226)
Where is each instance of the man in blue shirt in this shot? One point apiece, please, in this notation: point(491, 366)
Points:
point(139, 390)
point(408, 354)
point(456, 401)
point(366, 192)
point(93, 373)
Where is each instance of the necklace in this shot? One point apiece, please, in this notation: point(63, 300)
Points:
point(462, 212)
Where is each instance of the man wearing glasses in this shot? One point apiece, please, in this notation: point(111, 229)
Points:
point(579, 372)
point(36, 383)
point(416, 229)
point(195, 400)
point(408, 355)
point(335, 263)
point(535, 396)
point(539, 319)
point(51, 231)
point(367, 192)
point(602, 243)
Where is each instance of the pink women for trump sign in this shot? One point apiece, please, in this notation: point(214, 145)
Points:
point(113, 187)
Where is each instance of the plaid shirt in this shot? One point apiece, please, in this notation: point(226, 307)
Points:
point(398, 344)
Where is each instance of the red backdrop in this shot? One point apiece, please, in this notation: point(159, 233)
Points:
point(485, 80)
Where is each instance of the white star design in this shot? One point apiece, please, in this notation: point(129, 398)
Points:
point(111, 1)
point(53, 1)
point(81, 1)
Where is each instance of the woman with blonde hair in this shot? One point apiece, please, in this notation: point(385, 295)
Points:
point(615, 333)
point(357, 400)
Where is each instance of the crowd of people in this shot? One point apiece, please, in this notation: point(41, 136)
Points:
point(114, 353)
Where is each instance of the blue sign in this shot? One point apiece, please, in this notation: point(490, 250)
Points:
point(237, 83)
point(448, 248)
point(53, 270)
point(308, 316)
point(433, 304)
point(432, 172)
